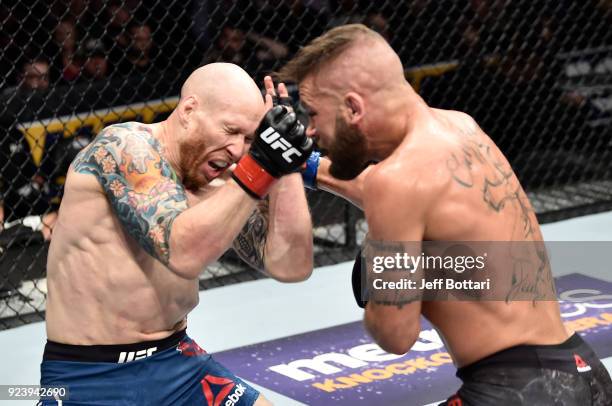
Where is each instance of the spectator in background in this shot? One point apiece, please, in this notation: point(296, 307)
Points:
point(268, 51)
point(25, 190)
point(229, 47)
point(115, 35)
point(254, 53)
point(64, 51)
point(265, 27)
point(471, 43)
point(138, 56)
point(375, 20)
point(95, 59)
point(488, 11)
point(35, 74)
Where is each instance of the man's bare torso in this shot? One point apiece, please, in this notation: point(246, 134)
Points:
point(475, 196)
point(103, 287)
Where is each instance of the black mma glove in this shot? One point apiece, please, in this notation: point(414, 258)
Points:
point(280, 148)
point(356, 278)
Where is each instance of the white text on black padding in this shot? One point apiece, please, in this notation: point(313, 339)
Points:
point(127, 356)
point(275, 141)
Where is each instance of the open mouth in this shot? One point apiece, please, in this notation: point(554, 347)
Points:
point(214, 168)
point(218, 165)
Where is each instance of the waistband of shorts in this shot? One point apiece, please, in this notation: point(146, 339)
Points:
point(116, 353)
point(557, 356)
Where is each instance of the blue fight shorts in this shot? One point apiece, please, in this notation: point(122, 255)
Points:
point(172, 371)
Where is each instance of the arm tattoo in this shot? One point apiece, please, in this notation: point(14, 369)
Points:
point(139, 183)
point(251, 241)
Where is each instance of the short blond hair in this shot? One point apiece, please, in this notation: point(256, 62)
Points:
point(324, 49)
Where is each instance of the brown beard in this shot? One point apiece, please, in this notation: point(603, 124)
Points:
point(191, 155)
point(348, 152)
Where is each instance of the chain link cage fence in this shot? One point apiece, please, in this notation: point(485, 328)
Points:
point(536, 75)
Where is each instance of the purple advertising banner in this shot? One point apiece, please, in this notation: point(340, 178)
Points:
point(343, 366)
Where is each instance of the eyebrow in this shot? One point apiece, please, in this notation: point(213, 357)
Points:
point(232, 127)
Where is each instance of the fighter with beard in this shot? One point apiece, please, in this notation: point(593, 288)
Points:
point(139, 222)
point(439, 177)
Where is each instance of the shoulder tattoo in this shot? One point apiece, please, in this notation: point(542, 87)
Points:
point(139, 183)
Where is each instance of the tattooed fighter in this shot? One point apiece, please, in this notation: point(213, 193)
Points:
point(140, 221)
point(439, 178)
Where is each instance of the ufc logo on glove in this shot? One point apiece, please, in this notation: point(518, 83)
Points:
point(275, 141)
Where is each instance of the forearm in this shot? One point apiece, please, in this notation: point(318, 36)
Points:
point(289, 245)
point(349, 190)
point(202, 233)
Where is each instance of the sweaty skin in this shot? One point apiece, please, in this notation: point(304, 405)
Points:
point(438, 177)
point(141, 217)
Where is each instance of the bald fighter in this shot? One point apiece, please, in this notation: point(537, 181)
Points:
point(439, 177)
point(142, 217)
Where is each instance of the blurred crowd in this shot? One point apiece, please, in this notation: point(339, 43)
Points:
point(502, 44)
point(65, 41)
point(57, 43)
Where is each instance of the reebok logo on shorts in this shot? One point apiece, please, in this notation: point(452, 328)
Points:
point(210, 382)
point(235, 397)
point(581, 366)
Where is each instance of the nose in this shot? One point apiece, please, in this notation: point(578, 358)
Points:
point(237, 148)
point(311, 131)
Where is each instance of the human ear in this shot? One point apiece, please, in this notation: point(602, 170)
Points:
point(355, 107)
point(186, 109)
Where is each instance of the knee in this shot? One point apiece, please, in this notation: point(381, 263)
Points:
point(262, 401)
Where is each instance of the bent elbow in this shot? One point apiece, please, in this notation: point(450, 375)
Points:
point(397, 346)
point(189, 264)
point(393, 336)
point(293, 277)
point(185, 269)
point(188, 259)
point(290, 265)
point(291, 273)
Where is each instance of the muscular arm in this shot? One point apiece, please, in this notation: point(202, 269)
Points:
point(277, 238)
point(151, 204)
point(351, 190)
point(394, 324)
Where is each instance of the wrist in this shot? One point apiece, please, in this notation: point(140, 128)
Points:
point(309, 173)
point(254, 179)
